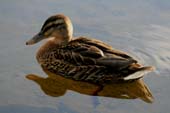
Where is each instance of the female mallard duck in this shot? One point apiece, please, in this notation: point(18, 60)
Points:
point(82, 58)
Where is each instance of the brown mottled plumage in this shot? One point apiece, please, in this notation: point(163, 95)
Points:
point(82, 59)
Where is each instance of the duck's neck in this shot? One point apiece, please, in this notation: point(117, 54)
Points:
point(52, 43)
point(60, 40)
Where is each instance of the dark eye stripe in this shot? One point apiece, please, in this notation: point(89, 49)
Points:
point(59, 21)
point(48, 32)
point(51, 19)
point(59, 26)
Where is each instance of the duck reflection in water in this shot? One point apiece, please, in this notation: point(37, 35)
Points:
point(56, 85)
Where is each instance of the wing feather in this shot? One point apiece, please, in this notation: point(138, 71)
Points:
point(100, 53)
point(107, 49)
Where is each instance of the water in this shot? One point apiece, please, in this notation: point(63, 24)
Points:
point(139, 27)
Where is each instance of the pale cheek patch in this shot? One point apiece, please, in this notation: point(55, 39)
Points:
point(55, 40)
point(51, 38)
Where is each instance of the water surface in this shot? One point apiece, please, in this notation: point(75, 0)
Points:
point(139, 27)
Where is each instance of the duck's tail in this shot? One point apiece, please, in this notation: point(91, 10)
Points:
point(139, 73)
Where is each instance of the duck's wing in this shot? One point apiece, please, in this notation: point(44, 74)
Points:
point(101, 53)
point(107, 49)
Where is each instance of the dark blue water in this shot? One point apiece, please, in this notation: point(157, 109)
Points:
point(139, 27)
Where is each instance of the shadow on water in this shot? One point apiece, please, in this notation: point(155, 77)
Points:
point(56, 85)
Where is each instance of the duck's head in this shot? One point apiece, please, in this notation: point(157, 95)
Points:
point(58, 27)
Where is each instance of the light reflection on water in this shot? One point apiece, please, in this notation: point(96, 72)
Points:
point(141, 28)
point(56, 85)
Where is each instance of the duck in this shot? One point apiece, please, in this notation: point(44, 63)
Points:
point(83, 58)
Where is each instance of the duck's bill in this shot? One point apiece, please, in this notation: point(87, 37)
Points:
point(35, 39)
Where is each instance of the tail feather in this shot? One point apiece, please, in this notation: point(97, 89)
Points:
point(139, 73)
